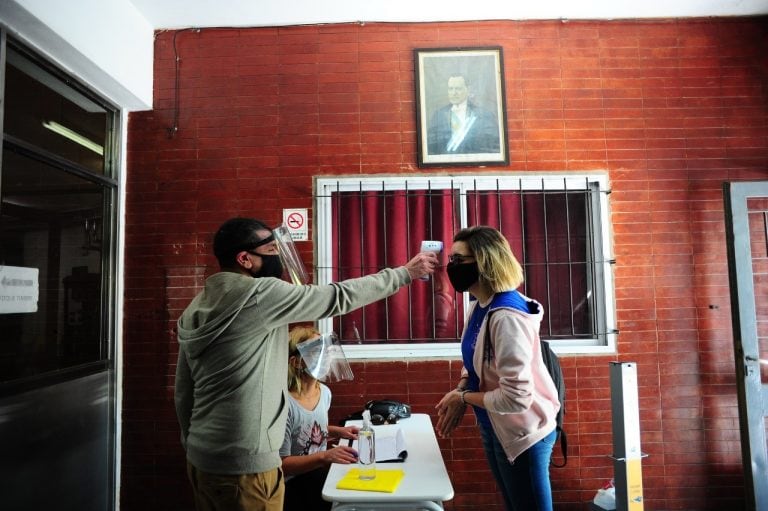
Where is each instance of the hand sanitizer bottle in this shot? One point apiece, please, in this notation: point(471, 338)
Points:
point(366, 447)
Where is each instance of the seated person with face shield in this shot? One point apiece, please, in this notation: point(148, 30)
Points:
point(305, 451)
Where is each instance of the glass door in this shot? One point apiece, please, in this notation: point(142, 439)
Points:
point(58, 217)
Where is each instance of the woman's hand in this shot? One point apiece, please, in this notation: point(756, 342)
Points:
point(341, 454)
point(348, 432)
point(337, 432)
point(450, 411)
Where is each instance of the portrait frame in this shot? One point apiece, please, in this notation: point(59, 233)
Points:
point(467, 127)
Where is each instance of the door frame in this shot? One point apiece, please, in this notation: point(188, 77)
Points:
point(751, 392)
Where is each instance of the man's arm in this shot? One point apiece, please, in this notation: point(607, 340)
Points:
point(285, 303)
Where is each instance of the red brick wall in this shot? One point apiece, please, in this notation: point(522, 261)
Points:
point(670, 109)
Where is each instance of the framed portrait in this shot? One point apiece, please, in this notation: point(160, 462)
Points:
point(461, 117)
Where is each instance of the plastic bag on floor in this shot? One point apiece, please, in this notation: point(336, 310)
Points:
point(605, 497)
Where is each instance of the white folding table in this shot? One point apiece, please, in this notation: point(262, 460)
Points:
point(425, 485)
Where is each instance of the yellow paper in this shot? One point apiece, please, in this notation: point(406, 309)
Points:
point(385, 481)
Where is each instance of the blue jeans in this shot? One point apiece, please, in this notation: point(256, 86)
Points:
point(524, 483)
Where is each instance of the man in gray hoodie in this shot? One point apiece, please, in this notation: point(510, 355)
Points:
point(233, 356)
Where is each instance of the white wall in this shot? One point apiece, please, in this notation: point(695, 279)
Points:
point(107, 44)
point(168, 14)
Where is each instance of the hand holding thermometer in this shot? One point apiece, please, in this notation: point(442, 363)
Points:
point(431, 246)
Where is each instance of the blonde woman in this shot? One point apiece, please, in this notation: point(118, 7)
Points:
point(504, 378)
point(305, 451)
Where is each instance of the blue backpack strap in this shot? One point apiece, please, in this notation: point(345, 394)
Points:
point(513, 300)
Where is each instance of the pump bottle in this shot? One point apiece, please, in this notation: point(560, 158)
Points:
point(366, 447)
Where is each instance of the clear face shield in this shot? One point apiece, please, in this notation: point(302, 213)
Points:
point(289, 256)
point(325, 360)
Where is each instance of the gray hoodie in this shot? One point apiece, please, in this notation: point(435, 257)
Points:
point(233, 356)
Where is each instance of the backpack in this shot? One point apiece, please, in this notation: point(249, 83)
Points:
point(552, 362)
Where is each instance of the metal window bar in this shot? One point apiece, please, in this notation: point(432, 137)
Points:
point(524, 260)
point(765, 228)
point(361, 216)
point(498, 206)
point(546, 255)
point(570, 255)
point(337, 230)
point(455, 203)
point(406, 234)
point(386, 262)
point(431, 237)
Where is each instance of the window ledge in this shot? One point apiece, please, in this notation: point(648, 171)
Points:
point(451, 350)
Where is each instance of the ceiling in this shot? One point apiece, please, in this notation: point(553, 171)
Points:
point(169, 14)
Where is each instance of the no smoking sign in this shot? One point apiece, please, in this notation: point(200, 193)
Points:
point(296, 221)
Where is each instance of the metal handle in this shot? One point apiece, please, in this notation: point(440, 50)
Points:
point(614, 458)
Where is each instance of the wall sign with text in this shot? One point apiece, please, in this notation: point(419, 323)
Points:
point(19, 289)
point(296, 222)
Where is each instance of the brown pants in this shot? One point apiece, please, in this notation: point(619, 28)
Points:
point(240, 492)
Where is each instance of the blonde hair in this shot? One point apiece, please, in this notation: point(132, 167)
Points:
point(296, 336)
point(498, 267)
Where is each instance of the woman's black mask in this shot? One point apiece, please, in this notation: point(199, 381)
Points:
point(462, 276)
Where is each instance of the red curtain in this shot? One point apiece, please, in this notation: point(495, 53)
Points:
point(547, 232)
point(377, 229)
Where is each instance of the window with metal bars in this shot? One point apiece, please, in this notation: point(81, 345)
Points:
point(556, 224)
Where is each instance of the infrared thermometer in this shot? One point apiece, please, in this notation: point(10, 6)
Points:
point(431, 246)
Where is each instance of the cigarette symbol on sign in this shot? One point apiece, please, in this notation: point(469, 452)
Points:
point(295, 220)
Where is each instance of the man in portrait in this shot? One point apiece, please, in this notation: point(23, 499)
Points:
point(462, 126)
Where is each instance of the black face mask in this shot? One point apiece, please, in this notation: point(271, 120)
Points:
point(462, 276)
point(270, 267)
